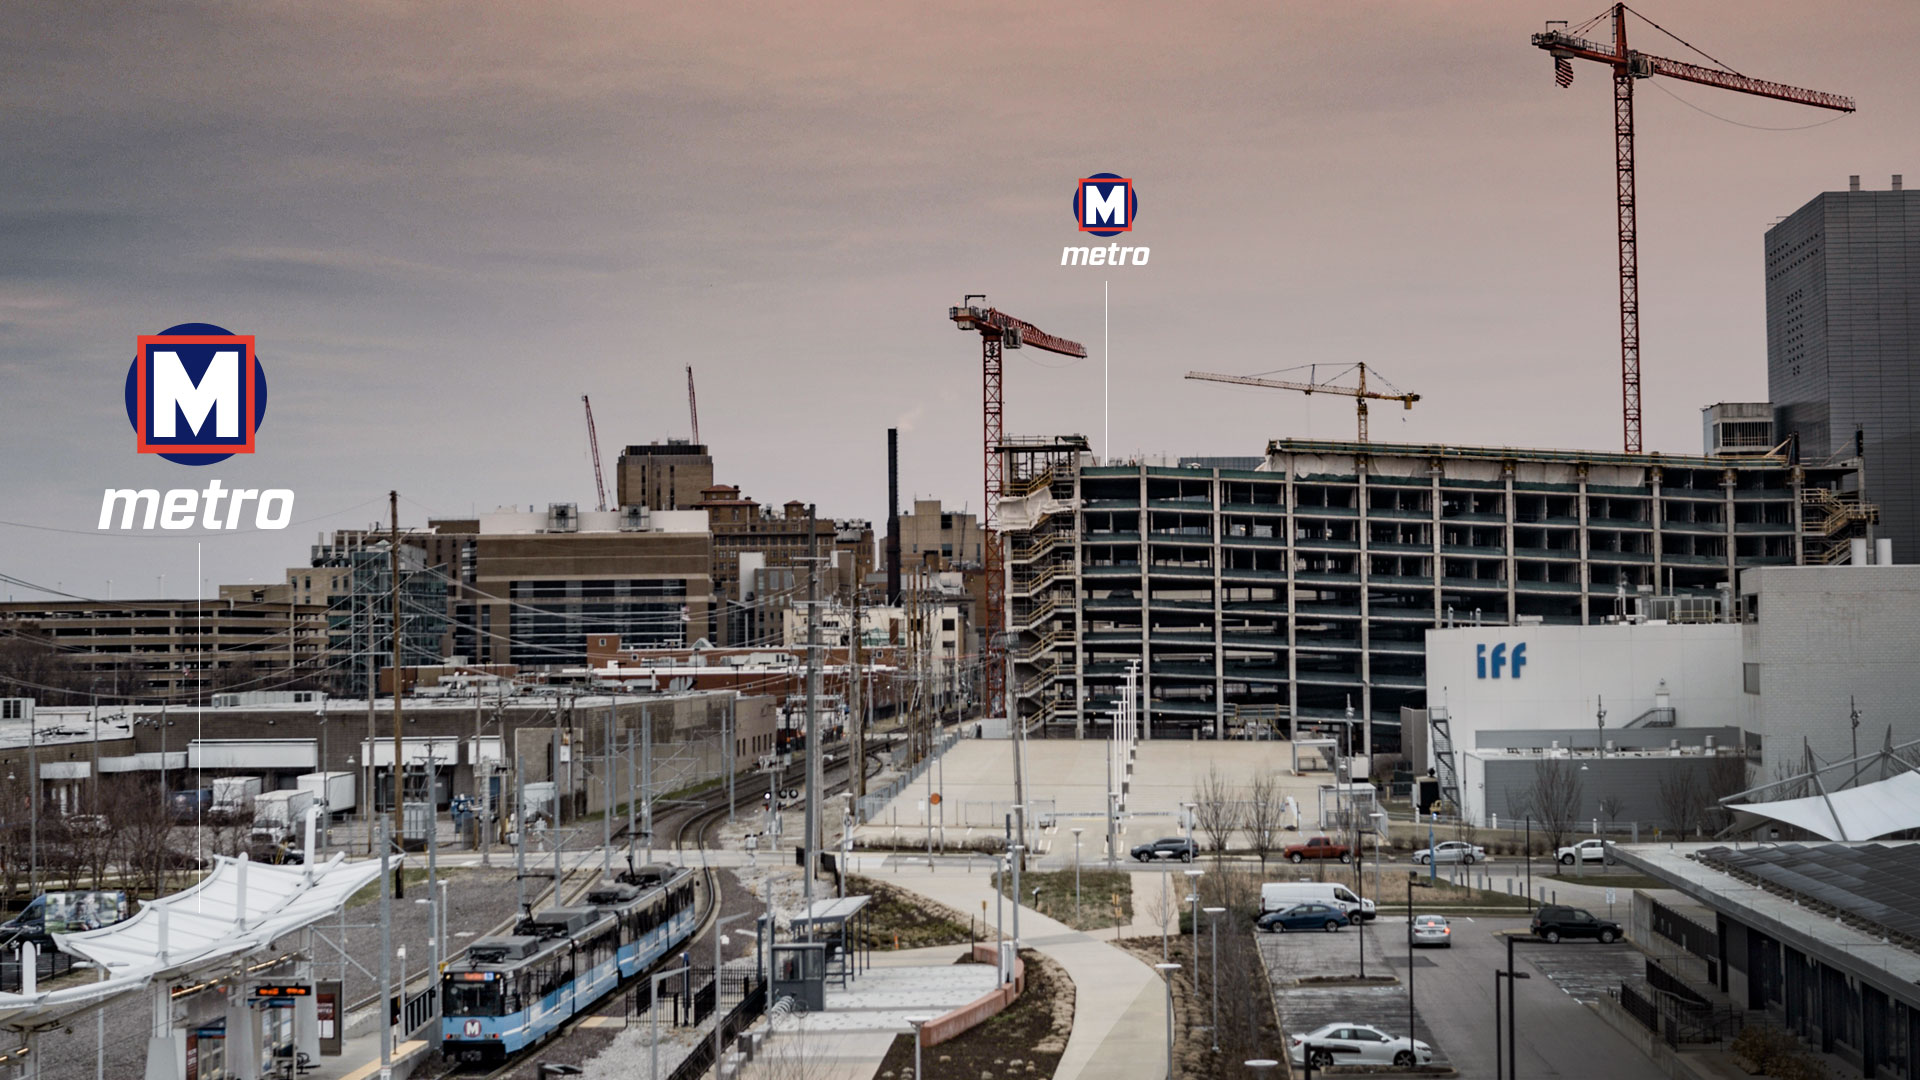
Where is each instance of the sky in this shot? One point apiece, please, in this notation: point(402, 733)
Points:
point(444, 224)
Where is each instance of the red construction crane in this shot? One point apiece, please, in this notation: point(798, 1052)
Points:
point(693, 406)
point(998, 330)
point(1627, 65)
point(593, 444)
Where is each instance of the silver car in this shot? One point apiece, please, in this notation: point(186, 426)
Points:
point(1357, 1044)
point(1432, 930)
point(1452, 851)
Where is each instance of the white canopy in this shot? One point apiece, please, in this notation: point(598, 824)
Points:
point(1867, 812)
point(240, 908)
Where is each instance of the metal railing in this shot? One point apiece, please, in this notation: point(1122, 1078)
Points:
point(49, 963)
point(420, 1010)
point(1640, 1007)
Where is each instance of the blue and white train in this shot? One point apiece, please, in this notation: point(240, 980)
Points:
point(508, 993)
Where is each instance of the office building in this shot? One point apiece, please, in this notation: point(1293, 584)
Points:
point(1843, 342)
point(352, 576)
point(663, 476)
point(1303, 590)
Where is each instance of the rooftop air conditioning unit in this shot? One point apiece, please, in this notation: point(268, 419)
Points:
point(635, 519)
point(563, 517)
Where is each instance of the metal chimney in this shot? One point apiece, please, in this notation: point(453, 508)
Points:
point(893, 516)
point(1853, 183)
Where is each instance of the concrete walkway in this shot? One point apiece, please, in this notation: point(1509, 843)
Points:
point(1119, 1016)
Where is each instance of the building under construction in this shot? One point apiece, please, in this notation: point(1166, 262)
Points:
point(1302, 589)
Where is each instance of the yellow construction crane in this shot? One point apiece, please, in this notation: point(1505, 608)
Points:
point(1360, 393)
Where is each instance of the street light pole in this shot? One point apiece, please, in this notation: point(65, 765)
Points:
point(1166, 971)
point(1076, 874)
point(918, 1022)
point(1213, 924)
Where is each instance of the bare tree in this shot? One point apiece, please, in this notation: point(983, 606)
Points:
point(1555, 797)
point(1217, 811)
point(142, 825)
point(1681, 797)
point(1727, 775)
point(1610, 807)
point(1265, 808)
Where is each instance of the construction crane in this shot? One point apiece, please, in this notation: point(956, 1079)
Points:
point(1628, 65)
point(693, 406)
point(998, 331)
point(1360, 393)
point(593, 444)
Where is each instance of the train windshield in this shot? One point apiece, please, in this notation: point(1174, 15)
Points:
point(471, 998)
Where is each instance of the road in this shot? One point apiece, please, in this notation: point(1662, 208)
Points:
point(1558, 1036)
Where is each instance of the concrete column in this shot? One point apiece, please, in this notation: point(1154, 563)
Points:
point(242, 1050)
point(1293, 611)
point(1434, 471)
point(1586, 550)
point(1797, 485)
point(1146, 613)
point(1727, 481)
point(1077, 538)
point(1513, 560)
point(306, 1010)
point(166, 1044)
point(1363, 569)
point(1219, 616)
point(1655, 514)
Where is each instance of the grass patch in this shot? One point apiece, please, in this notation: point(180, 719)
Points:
point(1441, 895)
point(370, 892)
point(896, 915)
point(1098, 890)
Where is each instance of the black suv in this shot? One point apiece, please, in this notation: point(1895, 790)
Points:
point(1556, 921)
point(1173, 847)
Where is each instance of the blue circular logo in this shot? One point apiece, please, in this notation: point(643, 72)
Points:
point(134, 405)
point(1112, 207)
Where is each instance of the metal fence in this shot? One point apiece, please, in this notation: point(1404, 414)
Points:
point(744, 1012)
point(1640, 1008)
point(870, 805)
point(48, 964)
point(421, 1008)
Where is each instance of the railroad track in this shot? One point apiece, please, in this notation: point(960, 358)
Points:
point(689, 824)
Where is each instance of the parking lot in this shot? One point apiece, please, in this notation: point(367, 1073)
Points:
point(1292, 957)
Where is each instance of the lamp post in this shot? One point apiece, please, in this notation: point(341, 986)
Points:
point(1166, 971)
point(1513, 1021)
point(1193, 882)
point(1600, 724)
point(918, 1022)
point(1076, 874)
point(1213, 924)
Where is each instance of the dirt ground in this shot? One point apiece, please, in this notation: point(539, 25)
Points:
point(1025, 1041)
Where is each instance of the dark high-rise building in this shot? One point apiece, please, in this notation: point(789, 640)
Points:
point(1843, 341)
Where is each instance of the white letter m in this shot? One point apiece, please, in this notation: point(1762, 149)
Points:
point(1108, 209)
point(219, 388)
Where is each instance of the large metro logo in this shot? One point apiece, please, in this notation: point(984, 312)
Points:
point(195, 394)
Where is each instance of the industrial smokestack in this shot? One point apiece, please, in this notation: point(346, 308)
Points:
point(893, 516)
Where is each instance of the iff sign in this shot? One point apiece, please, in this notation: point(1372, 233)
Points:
point(1499, 657)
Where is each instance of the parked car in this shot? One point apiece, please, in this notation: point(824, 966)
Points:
point(1171, 847)
point(1451, 851)
point(1319, 847)
point(1357, 1044)
point(1432, 930)
point(1303, 917)
point(1556, 921)
point(1586, 851)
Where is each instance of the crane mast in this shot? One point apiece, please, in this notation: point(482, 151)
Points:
point(1627, 66)
point(693, 407)
point(593, 445)
point(998, 331)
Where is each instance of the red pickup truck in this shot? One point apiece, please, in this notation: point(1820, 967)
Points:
point(1320, 847)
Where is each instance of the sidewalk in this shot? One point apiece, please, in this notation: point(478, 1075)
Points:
point(1119, 1017)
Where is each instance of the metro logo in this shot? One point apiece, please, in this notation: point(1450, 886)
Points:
point(1104, 204)
point(194, 394)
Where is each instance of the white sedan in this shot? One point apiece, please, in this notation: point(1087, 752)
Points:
point(1586, 851)
point(1452, 851)
point(1357, 1044)
point(1432, 930)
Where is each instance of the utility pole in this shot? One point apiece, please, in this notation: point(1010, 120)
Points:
point(856, 723)
point(399, 724)
point(812, 843)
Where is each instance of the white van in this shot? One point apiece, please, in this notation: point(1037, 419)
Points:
point(1275, 895)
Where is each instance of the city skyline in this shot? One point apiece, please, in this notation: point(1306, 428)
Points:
point(441, 242)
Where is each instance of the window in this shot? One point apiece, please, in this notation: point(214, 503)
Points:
point(12, 708)
point(1750, 678)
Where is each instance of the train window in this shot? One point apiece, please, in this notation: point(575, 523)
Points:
point(471, 999)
